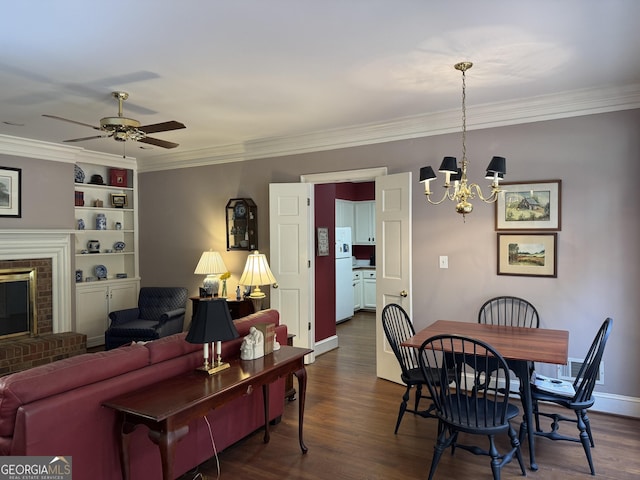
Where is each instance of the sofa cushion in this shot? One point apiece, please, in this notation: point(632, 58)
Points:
point(64, 375)
point(263, 316)
point(166, 348)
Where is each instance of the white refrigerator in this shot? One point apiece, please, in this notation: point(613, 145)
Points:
point(344, 274)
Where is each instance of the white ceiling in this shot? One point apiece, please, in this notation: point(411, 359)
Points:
point(273, 74)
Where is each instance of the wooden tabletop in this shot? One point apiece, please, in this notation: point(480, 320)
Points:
point(168, 397)
point(516, 343)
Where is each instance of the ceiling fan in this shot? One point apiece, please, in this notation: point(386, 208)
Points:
point(122, 128)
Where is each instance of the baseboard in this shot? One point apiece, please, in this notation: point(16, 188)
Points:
point(326, 345)
point(605, 402)
point(616, 404)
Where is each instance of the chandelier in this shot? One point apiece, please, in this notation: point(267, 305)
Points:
point(461, 191)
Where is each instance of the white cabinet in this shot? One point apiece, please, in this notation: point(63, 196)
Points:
point(365, 222)
point(105, 244)
point(369, 289)
point(357, 290)
point(344, 214)
point(94, 301)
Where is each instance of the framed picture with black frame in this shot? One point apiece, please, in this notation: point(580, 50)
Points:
point(10, 192)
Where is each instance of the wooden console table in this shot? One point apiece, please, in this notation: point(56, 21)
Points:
point(167, 407)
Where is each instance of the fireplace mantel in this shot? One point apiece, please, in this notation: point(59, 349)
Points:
point(53, 244)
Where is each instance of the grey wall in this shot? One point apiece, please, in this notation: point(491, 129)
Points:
point(182, 214)
point(47, 194)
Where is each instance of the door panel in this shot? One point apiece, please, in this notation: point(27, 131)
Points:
point(290, 234)
point(393, 260)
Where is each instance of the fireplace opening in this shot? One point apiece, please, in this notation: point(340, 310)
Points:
point(18, 315)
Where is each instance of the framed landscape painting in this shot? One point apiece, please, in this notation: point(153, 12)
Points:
point(529, 206)
point(528, 254)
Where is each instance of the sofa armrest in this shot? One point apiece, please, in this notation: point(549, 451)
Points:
point(171, 315)
point(119, 317)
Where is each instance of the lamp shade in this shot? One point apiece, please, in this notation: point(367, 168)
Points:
point(449, 164)
point(427, 173)
point(212, 323)
point(210, 263)
point(497, 165)
point(257, 271)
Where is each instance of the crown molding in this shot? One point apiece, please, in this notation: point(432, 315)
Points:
point(25, 147)
point(534, 109)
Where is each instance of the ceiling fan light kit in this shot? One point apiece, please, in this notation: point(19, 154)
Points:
point(122, 128)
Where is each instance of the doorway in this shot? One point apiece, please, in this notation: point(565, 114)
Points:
point(292, 240)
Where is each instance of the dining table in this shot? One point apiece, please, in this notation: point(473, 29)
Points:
point(520, 347)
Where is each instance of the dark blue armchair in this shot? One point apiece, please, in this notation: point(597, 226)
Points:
point(160, 312)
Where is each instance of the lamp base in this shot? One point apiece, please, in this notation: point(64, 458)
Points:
point(215, 368)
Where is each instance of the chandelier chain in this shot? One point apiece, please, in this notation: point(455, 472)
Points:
point(464, 118)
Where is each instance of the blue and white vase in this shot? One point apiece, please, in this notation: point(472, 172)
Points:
point(101, 221)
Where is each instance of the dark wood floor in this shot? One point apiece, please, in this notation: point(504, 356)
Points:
point(349, 422)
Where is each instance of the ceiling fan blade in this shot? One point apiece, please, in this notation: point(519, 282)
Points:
point(86, 138)
point(71, 121)
point(158, 143)
point(162, 127)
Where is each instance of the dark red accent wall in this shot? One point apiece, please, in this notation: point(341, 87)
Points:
point(325, 208)
point(356, 192)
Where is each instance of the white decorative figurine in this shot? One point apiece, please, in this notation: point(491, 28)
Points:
point(253, 345)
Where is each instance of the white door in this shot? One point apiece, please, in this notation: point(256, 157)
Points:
point(393, 260)
point(290, 228)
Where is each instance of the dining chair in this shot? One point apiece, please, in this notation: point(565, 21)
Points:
point(583, 399)
point(397, 328)
point(509, 311)
point(459, 407)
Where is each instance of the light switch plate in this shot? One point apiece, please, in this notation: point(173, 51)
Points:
point(444, 261)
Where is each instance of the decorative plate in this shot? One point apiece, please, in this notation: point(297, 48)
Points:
point(119, 246)
point(79, 174)
point(240, 210)
point(101, 271)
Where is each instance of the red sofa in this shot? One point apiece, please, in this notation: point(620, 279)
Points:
point(56, 409)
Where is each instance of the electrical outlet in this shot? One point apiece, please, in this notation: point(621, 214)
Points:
point(444, 261)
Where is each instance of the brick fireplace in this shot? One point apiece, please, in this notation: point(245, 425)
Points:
point(47, 253)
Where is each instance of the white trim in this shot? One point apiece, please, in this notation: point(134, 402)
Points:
point(363, 175)
point(535, 109)
point(25, 147)
point(609, 403)
point(326, 345)
point(53, 244)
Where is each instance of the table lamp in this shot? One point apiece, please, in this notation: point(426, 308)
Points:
point(256, 273)
point(212, 323)
point(211, 265)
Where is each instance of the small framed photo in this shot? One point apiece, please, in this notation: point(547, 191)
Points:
point(528, 254)
point(323, 241)
point(529, 205)
point(10, 192)
point(119, 200)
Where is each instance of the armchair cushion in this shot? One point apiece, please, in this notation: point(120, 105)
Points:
point(160, 313)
